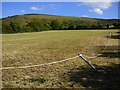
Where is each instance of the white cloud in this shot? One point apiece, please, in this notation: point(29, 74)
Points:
point(51, 5)
point(97, 11)
point(98, 6)
point(79, 5)
point(57, 0)
point(22, 11)
point(36, 8)
point(84, 16)
point(101, 5)
point(98, 0)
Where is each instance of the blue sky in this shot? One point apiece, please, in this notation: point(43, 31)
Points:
point(78, 9)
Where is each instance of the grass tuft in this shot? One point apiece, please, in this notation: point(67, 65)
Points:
point(39, 79)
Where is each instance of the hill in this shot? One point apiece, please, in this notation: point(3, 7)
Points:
point(42, 22)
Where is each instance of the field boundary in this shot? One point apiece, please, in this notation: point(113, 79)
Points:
point(45, 64)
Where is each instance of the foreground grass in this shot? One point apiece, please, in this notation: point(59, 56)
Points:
point(44, 47)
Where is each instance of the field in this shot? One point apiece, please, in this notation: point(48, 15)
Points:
point(26, 49)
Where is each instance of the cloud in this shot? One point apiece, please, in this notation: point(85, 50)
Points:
point(98, 6)
point(101, 5)
point(98, 0)
point(84, 16)
point(79, 5)
point(22, 11)
point(58, 0)
point(36, 8)
point(53, 6)
point(97, 11)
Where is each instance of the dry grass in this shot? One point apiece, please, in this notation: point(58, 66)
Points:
point(43, 47)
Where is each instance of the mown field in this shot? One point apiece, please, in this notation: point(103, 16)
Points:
point(25, 49)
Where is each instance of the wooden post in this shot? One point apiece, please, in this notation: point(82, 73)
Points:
point(110, 34)
point(85, 60)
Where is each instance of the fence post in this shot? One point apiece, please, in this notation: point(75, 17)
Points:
point(85, 60)
point(110, 34)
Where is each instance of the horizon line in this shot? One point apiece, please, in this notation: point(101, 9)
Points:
point(54, 15)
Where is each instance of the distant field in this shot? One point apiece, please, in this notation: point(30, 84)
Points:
point(42, 47)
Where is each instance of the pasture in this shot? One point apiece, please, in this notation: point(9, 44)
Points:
point(24, 49)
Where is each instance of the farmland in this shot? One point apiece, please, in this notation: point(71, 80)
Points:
point(25, 49)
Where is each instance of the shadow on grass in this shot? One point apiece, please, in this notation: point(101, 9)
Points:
point(104, 77)
point(117, 36)
point(110, 51)
point(118, 32)
point(111, 54)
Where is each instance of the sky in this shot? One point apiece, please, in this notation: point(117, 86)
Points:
point(106, 10)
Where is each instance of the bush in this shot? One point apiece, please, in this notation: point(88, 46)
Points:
point(55, 24)
point(6, 28)
point(38, 25)
point(15, 27)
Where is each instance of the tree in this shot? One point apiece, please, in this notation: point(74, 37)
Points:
point(116, 25)
point(55, 24)
point(26, 28)
point(6, 28)
point(107, 26)
point(99, 26)
point(38, 25)
point(79, 27)
point(15, 27)
point(71, 27)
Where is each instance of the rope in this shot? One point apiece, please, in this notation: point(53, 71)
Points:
point(21, 67)
point(92, 57)
point(45, 64)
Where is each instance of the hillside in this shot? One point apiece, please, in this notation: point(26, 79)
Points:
point(19, 23)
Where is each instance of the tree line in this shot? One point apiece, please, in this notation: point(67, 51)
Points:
point(44, 25)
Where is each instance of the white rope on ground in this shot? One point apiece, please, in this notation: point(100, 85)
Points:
point(98, 54)
point(22, 67)
point(92, 57)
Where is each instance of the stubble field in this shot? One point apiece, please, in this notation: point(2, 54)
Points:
point(26, 49)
